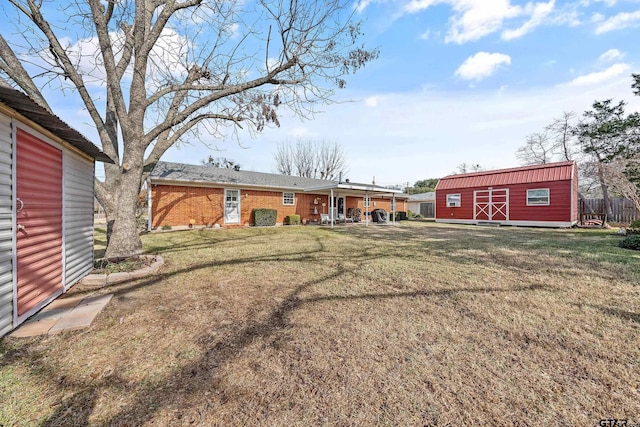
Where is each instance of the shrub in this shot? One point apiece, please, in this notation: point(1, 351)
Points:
point(292, 220)
point(264, 217)
point(631, 242)
point(634, 228)
point(401, 216)
point(166, 227)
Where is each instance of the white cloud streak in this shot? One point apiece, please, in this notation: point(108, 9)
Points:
point(618, 22)
point(600, 77)
point(482, 65)
point(539, 13)
point(611, 55)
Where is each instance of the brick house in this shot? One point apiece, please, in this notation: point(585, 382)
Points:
point(203, 195)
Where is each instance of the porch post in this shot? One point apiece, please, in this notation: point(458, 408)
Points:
point(394, 208)
point(366, 209)
point(149, 201)
point(331, 208)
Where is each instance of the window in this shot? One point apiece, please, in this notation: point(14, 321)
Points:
point(288, 199)
point(367, 201)
point(392, 205)
point(538, 197)
point(453, 200)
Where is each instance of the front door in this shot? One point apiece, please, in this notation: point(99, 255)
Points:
point(491, 205)
point(232, 206)
point(38, 222)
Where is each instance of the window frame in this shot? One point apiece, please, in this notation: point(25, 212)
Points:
point(285, 198)
point(450, 204)
point(547, 197)
point(366, 201)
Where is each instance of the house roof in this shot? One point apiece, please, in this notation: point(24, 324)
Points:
point(431, 195)
point(180, 172)
point(207, 174)
point(30, 109)
point(523, 175)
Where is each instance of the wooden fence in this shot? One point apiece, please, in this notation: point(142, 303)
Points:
point(622, 210)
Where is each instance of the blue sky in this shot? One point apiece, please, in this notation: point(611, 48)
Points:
point(462, 81)
point(457, 81)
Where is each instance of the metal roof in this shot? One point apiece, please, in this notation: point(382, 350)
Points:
point(30, 109)
point(523, 175)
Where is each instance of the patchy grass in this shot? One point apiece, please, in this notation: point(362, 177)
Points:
point(422, 324)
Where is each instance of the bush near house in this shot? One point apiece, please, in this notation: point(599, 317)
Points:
point(401, 216)
point(292, 220)
point(263, 217)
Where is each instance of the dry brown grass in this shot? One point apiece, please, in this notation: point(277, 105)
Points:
point(422, 324)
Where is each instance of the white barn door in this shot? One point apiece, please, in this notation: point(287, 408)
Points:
point(491, 204)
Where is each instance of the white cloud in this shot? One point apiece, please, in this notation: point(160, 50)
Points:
point(415, 6)
point(482, 65)
point(474, 19)
point(362, 5)
point(425, 35)
point(611, 55)
point(539, 12)
point(618, 22)
point(372, 101)
point(600, 77)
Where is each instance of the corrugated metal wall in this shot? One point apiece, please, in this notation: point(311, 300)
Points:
point(78, 217)
point(6, 230)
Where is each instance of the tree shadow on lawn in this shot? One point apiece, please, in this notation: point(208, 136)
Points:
point(178, 385)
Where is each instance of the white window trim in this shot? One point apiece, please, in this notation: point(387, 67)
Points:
point(450, 205)
point(293, 198)
point(367, 201)
point(539, 204)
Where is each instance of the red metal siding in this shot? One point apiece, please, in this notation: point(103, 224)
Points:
point(559, 209)
point(39, 244)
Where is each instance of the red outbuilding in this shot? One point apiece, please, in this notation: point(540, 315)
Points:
point(540, 196)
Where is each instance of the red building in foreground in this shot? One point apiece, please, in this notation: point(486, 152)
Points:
point(540, 196)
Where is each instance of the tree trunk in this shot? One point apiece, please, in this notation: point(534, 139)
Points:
point(605, 190)
point(124, 239)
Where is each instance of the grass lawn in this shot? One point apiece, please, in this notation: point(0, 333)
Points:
point(422, 324)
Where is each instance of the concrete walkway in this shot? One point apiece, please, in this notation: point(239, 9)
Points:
point(63, 314)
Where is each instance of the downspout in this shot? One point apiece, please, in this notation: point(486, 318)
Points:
point(149, 205)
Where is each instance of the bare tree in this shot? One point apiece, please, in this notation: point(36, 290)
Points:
point(468, 168)
point(537, 150)
point(221, 162)
point(565, 145)
point(311, 159)
point(614, 173)
point(177, 70)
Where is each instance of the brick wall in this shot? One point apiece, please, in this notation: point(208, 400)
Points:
point(176, 205)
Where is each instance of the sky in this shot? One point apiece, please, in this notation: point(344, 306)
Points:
point(457, 81)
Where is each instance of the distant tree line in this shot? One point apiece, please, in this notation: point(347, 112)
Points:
point(605, 141)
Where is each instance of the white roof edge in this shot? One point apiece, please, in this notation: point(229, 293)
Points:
point(359, 187)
